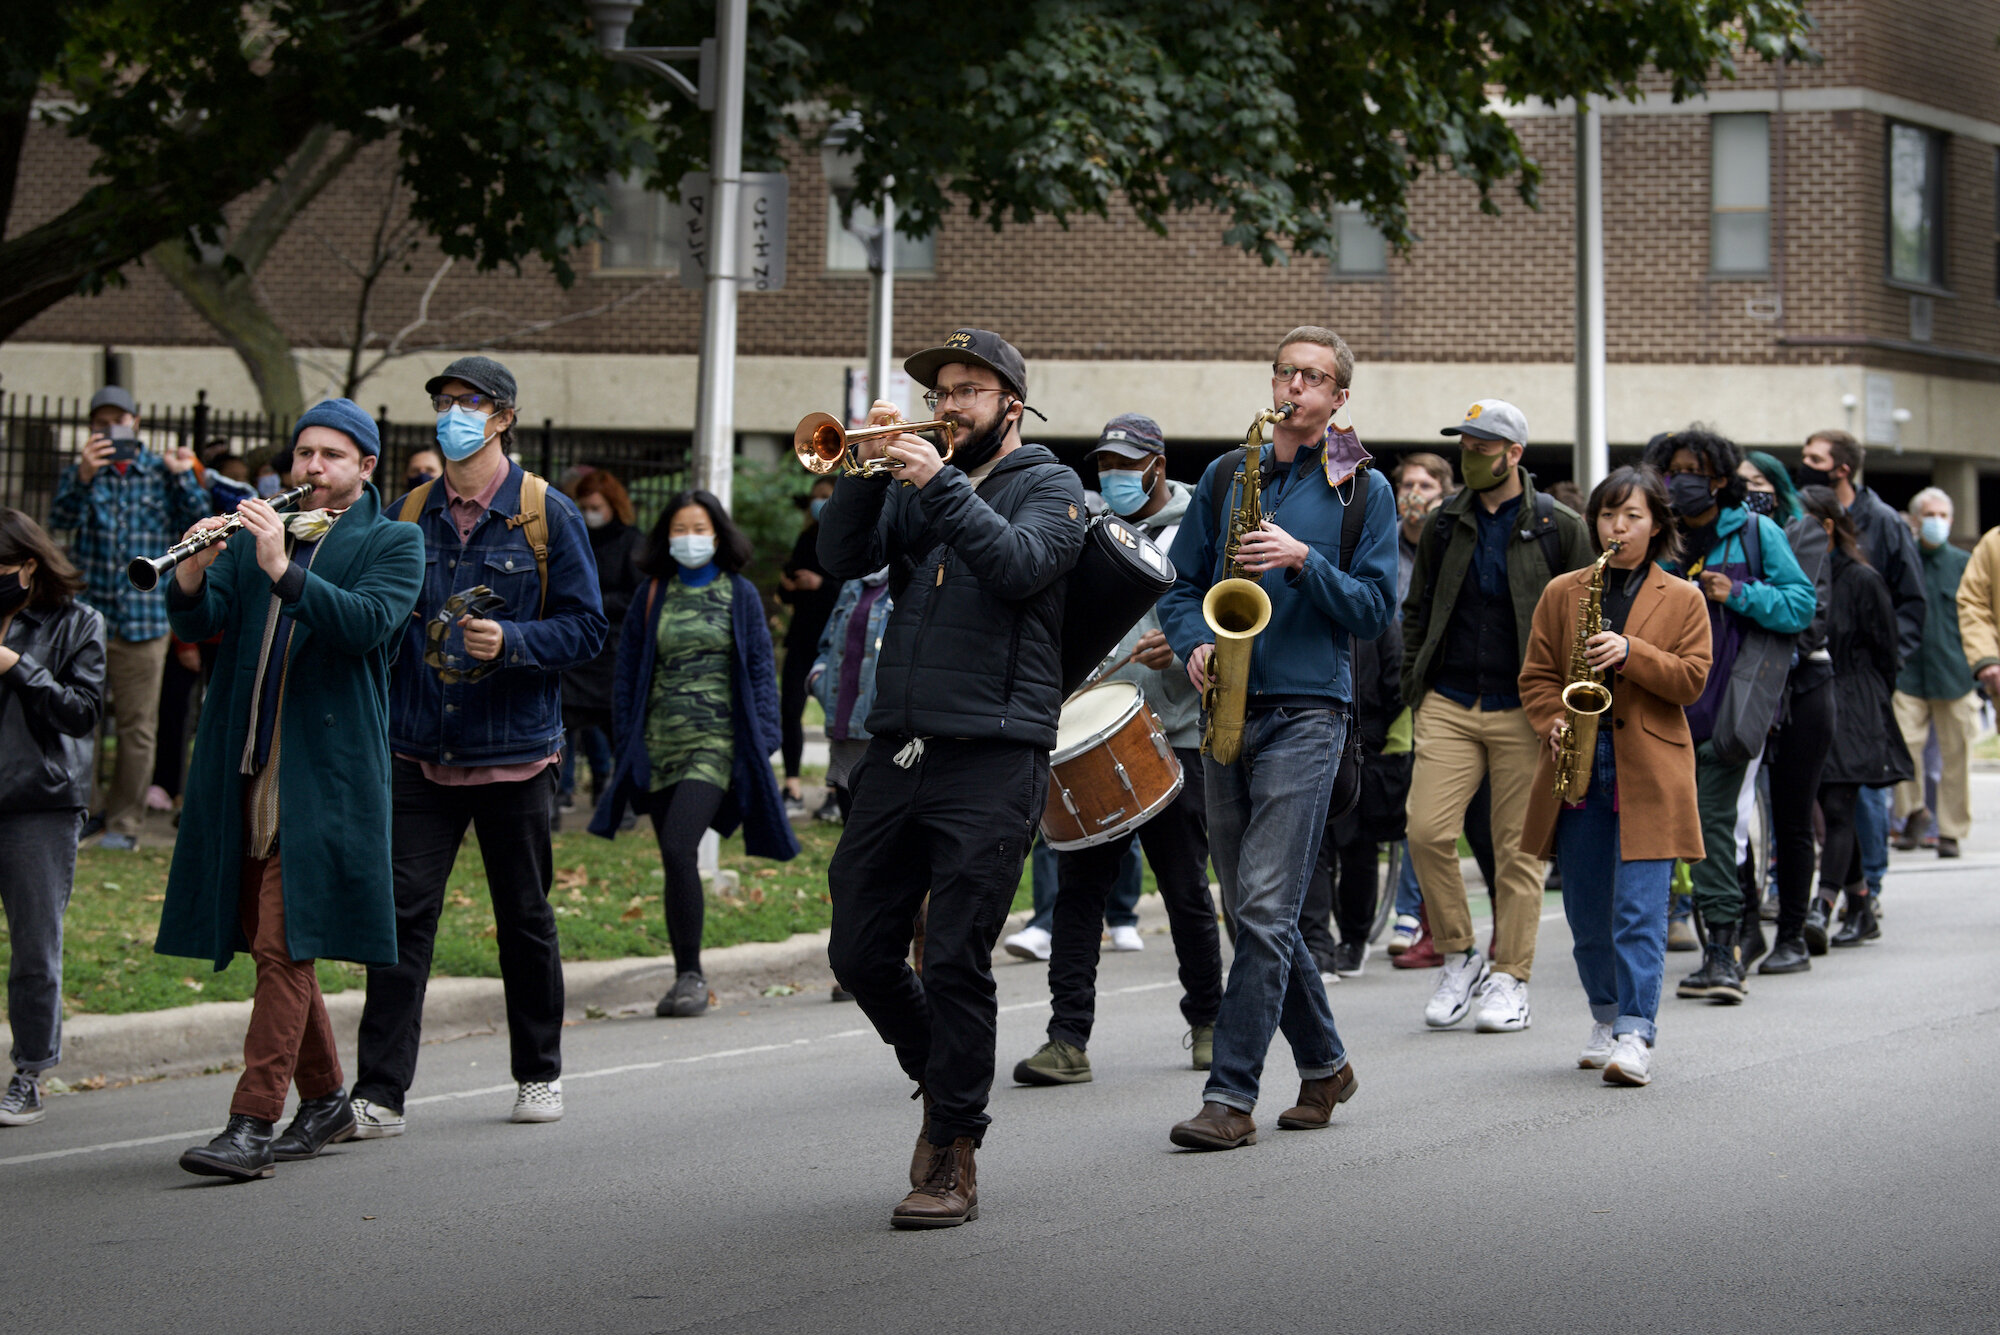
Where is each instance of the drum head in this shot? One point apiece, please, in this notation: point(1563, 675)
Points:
point(1093, 716)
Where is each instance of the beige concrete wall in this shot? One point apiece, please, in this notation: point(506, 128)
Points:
point(1393, 401)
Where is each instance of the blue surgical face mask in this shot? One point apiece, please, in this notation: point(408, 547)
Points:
point(1123, 490)
point(461, 433)
point(270, 485)
point(818, 504)
point(692, 550)
point(1936, 530)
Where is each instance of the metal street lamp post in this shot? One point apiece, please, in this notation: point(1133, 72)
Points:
point(715, 397)
point(879, 239)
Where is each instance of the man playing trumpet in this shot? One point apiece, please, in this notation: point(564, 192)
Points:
point(296, 727)
point(1267, 806)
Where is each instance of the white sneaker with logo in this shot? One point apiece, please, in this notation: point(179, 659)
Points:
point(1127, 938)
point(538, 1102)
point(1462, 976)
point(1631, 1063)
point(1503, 1006)
point(1030, 943)
point(1404, 934)
point(1597, 1048)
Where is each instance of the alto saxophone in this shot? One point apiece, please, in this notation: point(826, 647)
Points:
point(1585, 697)
point(1235, 608)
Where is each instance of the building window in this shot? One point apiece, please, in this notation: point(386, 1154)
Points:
point(638, 230)
point(1739, 174)
point(1916, 205)
point(1358, 245)
point(846, 254)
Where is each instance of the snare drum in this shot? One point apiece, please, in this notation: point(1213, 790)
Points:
point(1112, 769)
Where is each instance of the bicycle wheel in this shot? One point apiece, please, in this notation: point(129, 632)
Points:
point(1385, 901)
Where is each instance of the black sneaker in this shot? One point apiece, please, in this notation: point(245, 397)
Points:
point(1349, 958)
point(22, 1104)
point(689, 997)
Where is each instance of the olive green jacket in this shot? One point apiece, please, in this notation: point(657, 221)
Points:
point(1425, 618)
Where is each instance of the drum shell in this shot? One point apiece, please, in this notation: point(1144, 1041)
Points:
point(1088, 778)
point(1119, 574)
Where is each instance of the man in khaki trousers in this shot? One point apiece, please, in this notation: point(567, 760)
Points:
point(1481, 564)
point(1935, 687)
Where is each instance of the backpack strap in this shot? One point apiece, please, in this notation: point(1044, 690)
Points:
point(1548, 532)
point(413, 504)
point(1352, 518)
point(1436, 538)
point(1753, 548)
point(1223, 479)
point(533, 521)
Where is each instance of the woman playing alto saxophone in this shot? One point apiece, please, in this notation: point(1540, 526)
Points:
point(1653, 650)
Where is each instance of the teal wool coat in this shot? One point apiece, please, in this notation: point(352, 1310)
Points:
point(333, 777)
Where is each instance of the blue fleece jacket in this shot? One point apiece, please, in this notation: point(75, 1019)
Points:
point(1314, 611)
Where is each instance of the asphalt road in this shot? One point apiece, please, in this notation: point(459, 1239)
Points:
point(1822, 1159)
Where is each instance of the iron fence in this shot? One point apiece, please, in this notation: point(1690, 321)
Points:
point(41, 435)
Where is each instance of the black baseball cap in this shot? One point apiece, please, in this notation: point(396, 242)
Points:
point(976, 347)
point(113, 396)
point(482, 373)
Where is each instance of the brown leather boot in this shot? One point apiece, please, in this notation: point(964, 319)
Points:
point(1216, 1127)
point(1317, 1100)
point(949, 1195)
point(920, 1158)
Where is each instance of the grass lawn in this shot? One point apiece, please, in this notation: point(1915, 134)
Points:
point(607, 897)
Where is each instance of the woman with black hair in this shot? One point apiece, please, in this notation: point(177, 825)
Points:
point(51, 696)
point(1745, 569)
point(695, 709)
point(1867, 749)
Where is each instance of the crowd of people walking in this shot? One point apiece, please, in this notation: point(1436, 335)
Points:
point(469, 652)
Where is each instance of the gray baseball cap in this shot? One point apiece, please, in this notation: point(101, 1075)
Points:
point(1492, 419)
point(482, 373)
point(113, 396)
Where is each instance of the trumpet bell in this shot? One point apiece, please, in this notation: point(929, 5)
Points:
point(820, 442)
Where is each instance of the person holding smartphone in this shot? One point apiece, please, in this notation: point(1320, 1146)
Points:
point(120, 501)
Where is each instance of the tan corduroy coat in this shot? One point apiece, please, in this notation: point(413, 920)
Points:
point(1668, 666)
point(1978, 592)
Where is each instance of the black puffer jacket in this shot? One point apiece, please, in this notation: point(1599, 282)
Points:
point(974, 647)
point(50, 702)
point(1892, 550)
point(1861, 631)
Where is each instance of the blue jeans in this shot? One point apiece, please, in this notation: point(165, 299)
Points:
point(1617, 910)
point(1409, 899)
point(596, 748)
point(1266, 814)
point(1120, 910)
point(1871, 832)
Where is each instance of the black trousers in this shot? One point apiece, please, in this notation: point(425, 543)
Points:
point(429, 824)
point(792, 706)
point(955, 823)
point(1342, 893)
point(681, 815)
point(1795, 754)
point(1840, 855)
point(1176, 845)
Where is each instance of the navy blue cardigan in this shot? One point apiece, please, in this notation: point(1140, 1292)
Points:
point(753, 800)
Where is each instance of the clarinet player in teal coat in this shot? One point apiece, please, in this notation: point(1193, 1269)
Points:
point(284, 840)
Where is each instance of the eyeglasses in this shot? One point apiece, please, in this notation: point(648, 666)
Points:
point(479, 403)
point(967, 392)
point(1282, 373)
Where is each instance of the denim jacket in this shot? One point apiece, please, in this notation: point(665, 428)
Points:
point(514, 713)
point(830, 663)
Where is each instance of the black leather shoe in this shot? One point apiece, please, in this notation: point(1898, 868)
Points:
point(317, 1124)
point(240, 1153)
point(1788, 956)
point(1815, 930)
point(1859, 925)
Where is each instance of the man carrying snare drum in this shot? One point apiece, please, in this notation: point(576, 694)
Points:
point(968, 687)
point(1131, 459)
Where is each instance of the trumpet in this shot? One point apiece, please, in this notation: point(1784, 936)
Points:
point(823, 444)
point(145, 571)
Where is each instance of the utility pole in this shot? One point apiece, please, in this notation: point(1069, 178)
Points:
point(837, 156)
point(1592, 451)
point(715, 395)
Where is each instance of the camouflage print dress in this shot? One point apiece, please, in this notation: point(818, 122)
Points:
point(689, 732)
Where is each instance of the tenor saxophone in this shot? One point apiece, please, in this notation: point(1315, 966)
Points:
point(1235, 608)
point(1585, 697)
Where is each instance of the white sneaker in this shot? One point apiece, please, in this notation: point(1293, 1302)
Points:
point(1503, 1006)
point(1328, 977)
point(1597, 1048)
point(1631, 1063)
point(538, 1102)
point(374, 1121)
point(1404, 934)
point(1126, 938)
point(1461, 978)
point(1030, 943)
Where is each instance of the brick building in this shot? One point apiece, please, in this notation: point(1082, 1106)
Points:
point(1817, 246)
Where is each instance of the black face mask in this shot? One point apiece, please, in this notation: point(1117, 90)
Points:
point(13, 594)
point(1814, 477)
point(1761, 502)
point(415, 480)
point(971, 453)
point(1689, 494)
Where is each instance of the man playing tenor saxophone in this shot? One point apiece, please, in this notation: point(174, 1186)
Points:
point(1267, 804)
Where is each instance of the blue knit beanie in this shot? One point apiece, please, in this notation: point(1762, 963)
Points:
point(347, 417)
